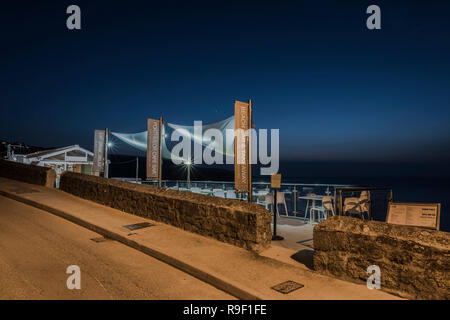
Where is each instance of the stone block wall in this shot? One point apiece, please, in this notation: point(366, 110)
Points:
point(236, 222)
point(414, 262)
point(28, 173)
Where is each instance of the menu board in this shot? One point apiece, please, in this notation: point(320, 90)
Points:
point(275, 181)
point(414, 214)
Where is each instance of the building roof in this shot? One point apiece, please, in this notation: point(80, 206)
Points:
point(54, 152)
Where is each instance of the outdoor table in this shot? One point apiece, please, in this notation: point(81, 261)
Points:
point(260, 196)
point(313, 199)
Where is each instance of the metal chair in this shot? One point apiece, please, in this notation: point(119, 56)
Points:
point(327, 206)
point(280, 200)
point(261, 197)
point(358, 206)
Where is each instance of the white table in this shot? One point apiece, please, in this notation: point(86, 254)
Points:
point(312, 199)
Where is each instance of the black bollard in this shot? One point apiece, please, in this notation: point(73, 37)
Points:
point(275, 210)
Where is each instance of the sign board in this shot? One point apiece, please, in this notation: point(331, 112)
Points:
point(99, 152)
point(241, 143)
point(275, 181)
point(414, 214)
point(153, 149)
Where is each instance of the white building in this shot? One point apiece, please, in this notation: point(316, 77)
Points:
point(71, 158)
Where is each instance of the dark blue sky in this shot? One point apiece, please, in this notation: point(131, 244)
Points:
point(336, 90)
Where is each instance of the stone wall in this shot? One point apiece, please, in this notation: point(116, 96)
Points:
point(239, 223)
point(414, 262)
point(28, 173)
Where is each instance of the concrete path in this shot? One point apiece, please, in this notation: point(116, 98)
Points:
point(297, 234)
point(236, 271)
point(37, 247)
point(297, 246)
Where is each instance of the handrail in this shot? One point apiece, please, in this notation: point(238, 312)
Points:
point(254, 183)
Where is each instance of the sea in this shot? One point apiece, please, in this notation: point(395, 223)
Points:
point(421, 183)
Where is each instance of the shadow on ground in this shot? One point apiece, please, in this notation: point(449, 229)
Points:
point(305, 257)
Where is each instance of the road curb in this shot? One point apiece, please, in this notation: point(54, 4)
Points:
point(226, 285)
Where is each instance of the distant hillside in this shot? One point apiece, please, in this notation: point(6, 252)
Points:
point(18, 148)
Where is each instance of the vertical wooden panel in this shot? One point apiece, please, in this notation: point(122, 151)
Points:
point(99, 151)
point(241, 141)
point(153, 149)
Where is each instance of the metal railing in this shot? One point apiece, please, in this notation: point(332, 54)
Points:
point(378, 200)
point(294, 193)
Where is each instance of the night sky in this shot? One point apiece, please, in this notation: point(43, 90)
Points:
point(336, 90)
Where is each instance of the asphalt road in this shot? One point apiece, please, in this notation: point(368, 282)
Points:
point(36, 248)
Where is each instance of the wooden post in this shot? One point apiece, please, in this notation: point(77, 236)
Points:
point(160, 151)
point(137, 169)
point(250, 184)
point(106, 171)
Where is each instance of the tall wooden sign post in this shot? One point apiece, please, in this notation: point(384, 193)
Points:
point(242, 148)
point(106, 153)
point(99, 152)
point(154, 148)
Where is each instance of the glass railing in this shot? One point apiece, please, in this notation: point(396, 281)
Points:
point(294, 199)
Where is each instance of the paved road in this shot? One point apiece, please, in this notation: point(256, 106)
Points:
point(36, 248)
